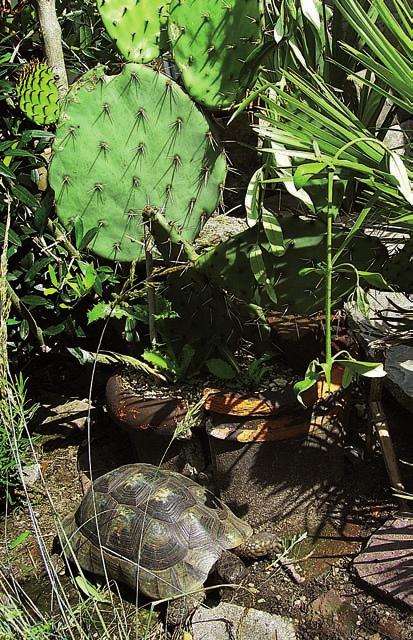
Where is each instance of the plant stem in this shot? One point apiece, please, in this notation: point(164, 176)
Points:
point(155, 216)
point(24, 313)
point(150, 290)
point(61, 237)
point(52, 38)
point(4, 309)
point(329, 275)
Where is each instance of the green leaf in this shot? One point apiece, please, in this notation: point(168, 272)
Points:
point(87, 238)
point(24, 195)
point(24, 329)
point(37, 266)
point(187, 355)
point(376, 280)
point(19, 540)
point(273, 232)
point(13, 237)
point(111, 357)
point(257, 264)
point(310, 11)
point(347, 378)
point(79, 231)
point(303, 385)
point(6, 172)
point(305, 172)
point(253, 197)
point(399, 171)
point(53, 276)
point(220, 369)
point(312, 374)
point(55, 329)
point(158, 360)
point(90, 590)
point(270, 291)
point(43, 210)
point(366, 369)
point(35, 301)
point(103, 310)
point(89, 275)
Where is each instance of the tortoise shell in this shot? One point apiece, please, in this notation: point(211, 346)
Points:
point(155, 530)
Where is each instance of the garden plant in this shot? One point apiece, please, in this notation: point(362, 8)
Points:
point(114, 157)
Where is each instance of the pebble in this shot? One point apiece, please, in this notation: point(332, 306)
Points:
point(281, 382)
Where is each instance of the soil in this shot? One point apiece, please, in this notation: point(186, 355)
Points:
point(329, 604)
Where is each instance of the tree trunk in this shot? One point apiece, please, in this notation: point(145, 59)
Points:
point(52, 37)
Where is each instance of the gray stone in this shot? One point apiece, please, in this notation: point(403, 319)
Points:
point(31, 474)
point(62, 415)
point(386, 564)
point(228, 621)
point(395, 138)
point(384, 325)
point(399, 367)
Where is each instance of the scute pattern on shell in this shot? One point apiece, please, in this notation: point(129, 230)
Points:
point(154, 530)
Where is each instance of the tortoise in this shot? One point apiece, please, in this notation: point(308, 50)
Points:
point(159, 532)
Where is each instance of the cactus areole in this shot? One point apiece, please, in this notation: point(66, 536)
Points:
point(211, 42)
point(128, 142)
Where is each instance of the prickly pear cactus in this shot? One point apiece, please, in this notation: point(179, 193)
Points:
point(38, 94)
point(211, 42)
point(129, 142)
point(228, 265)
point(136, 26)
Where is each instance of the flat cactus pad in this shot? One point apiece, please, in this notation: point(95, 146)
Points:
point(130, 142)
point(136, 26)
point(211, 42)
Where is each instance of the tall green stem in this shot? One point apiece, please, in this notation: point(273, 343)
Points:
point(329, 274)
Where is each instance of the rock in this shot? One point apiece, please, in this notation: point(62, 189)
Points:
point(63, 415)
point(328, 604)
point(332, 608)
point(31, 473)
point(392, 629)
point(336, 612)
point(384, 323)
point(386, 562)
point(228, 621)
point(399, 367)
point(395, 138)
point(280, 382)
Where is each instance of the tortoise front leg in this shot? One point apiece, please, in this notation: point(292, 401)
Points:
point(181, 608)
point(230, 568)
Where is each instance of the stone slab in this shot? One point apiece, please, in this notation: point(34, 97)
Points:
point(228, 621)
point(386, 563)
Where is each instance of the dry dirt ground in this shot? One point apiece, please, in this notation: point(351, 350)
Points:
point(330, 605)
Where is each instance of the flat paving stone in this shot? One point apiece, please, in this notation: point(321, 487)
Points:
point(228, 621)
point(386, 563)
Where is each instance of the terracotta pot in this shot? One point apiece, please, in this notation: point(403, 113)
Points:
point(149, 422)
point(275, 461)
